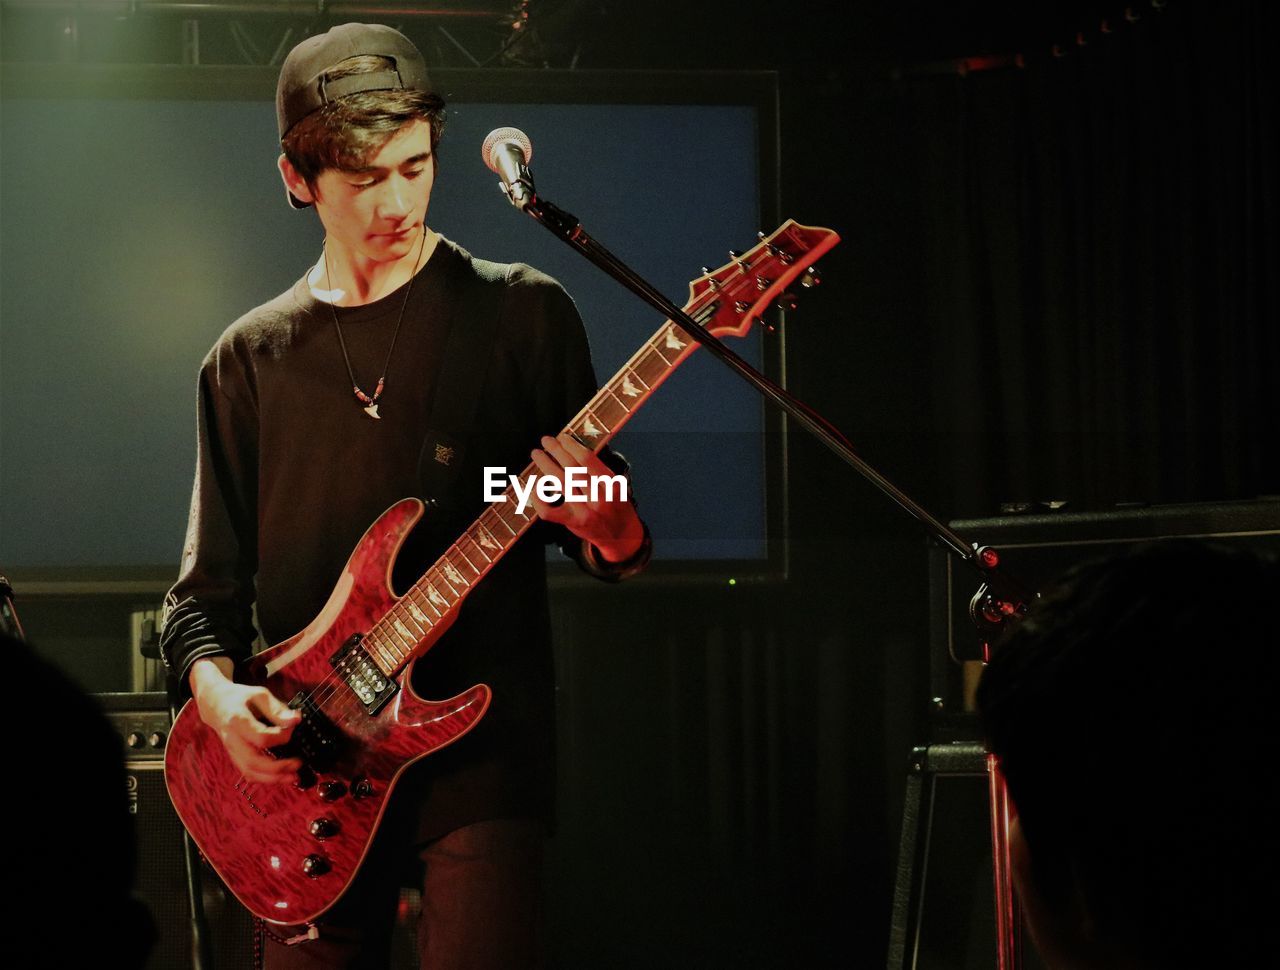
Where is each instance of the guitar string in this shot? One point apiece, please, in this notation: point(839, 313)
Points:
point(348, 708)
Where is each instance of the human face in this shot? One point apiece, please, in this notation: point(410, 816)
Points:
point(376, 213)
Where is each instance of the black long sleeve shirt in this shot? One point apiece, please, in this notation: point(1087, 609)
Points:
point(291, 471)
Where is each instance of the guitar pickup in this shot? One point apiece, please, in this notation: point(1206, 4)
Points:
point(359, 672)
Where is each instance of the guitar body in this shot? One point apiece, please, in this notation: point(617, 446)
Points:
point(288, 851)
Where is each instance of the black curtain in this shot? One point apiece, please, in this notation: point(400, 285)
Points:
point(1099, 247)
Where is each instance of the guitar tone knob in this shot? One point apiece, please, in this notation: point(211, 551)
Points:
point(361, 788)
point(315, 865)
point(323, 828)
point(331, 791)
point(306, 778)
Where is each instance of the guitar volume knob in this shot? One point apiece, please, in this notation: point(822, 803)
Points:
point(331, 791)
point(315, 865)
point(323, 828)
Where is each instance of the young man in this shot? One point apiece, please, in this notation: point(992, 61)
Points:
point(323, 407)
point(1133, 713)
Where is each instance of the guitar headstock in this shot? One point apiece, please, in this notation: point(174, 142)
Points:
point(728, 300)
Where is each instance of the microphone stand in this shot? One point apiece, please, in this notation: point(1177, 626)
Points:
point(999, 597)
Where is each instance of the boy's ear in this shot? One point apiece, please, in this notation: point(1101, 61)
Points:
point(294, 183)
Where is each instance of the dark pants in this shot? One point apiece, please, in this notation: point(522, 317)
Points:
point(481, 906)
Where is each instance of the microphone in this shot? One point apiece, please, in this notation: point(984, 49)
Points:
point(506, 152)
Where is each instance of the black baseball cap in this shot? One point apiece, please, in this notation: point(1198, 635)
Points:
point(302, 87)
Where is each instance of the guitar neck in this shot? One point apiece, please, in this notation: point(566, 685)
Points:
point(432, 600)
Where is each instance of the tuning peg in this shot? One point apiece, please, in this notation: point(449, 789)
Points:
point(780, 254)
point(787, 301)
point(735, 253)
point(763, 283)
point(760, 234)
point(742, 306)
point(811, 278)
point(706, 271)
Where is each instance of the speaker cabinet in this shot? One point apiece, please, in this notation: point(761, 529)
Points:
point(142, 721)
point(944, 896)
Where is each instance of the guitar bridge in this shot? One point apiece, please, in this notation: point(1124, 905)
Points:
point(365, 678)
point(315, 739)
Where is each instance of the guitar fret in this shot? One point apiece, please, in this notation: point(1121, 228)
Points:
point(420, 618)
point(502, 512)
point(588, 430)
point(374, 645)
point(478, 550)
point(397, 641)
point(621, 404)
point(672, 339)
point(451, 575)
point(487, 539)
point(629, 388)
point(609, 409)
point(418, 592)
point(653, 365)
point(462, 567)
point(495, 512)
point(436, 598)
point(658, 350)
point(403, 621)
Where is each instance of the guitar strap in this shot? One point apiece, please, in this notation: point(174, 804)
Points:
point(460, 377)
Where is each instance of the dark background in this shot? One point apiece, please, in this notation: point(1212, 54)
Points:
point(1057, 283)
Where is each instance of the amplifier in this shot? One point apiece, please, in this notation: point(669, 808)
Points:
point(1037, 548)
point(142, 722)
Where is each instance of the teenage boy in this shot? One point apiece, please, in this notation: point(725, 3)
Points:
point(323, 407)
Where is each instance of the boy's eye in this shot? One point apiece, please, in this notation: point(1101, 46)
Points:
point(413, 174)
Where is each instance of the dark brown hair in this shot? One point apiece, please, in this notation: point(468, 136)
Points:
point(345, 133)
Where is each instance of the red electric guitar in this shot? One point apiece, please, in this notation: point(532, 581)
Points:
point(288, 852)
